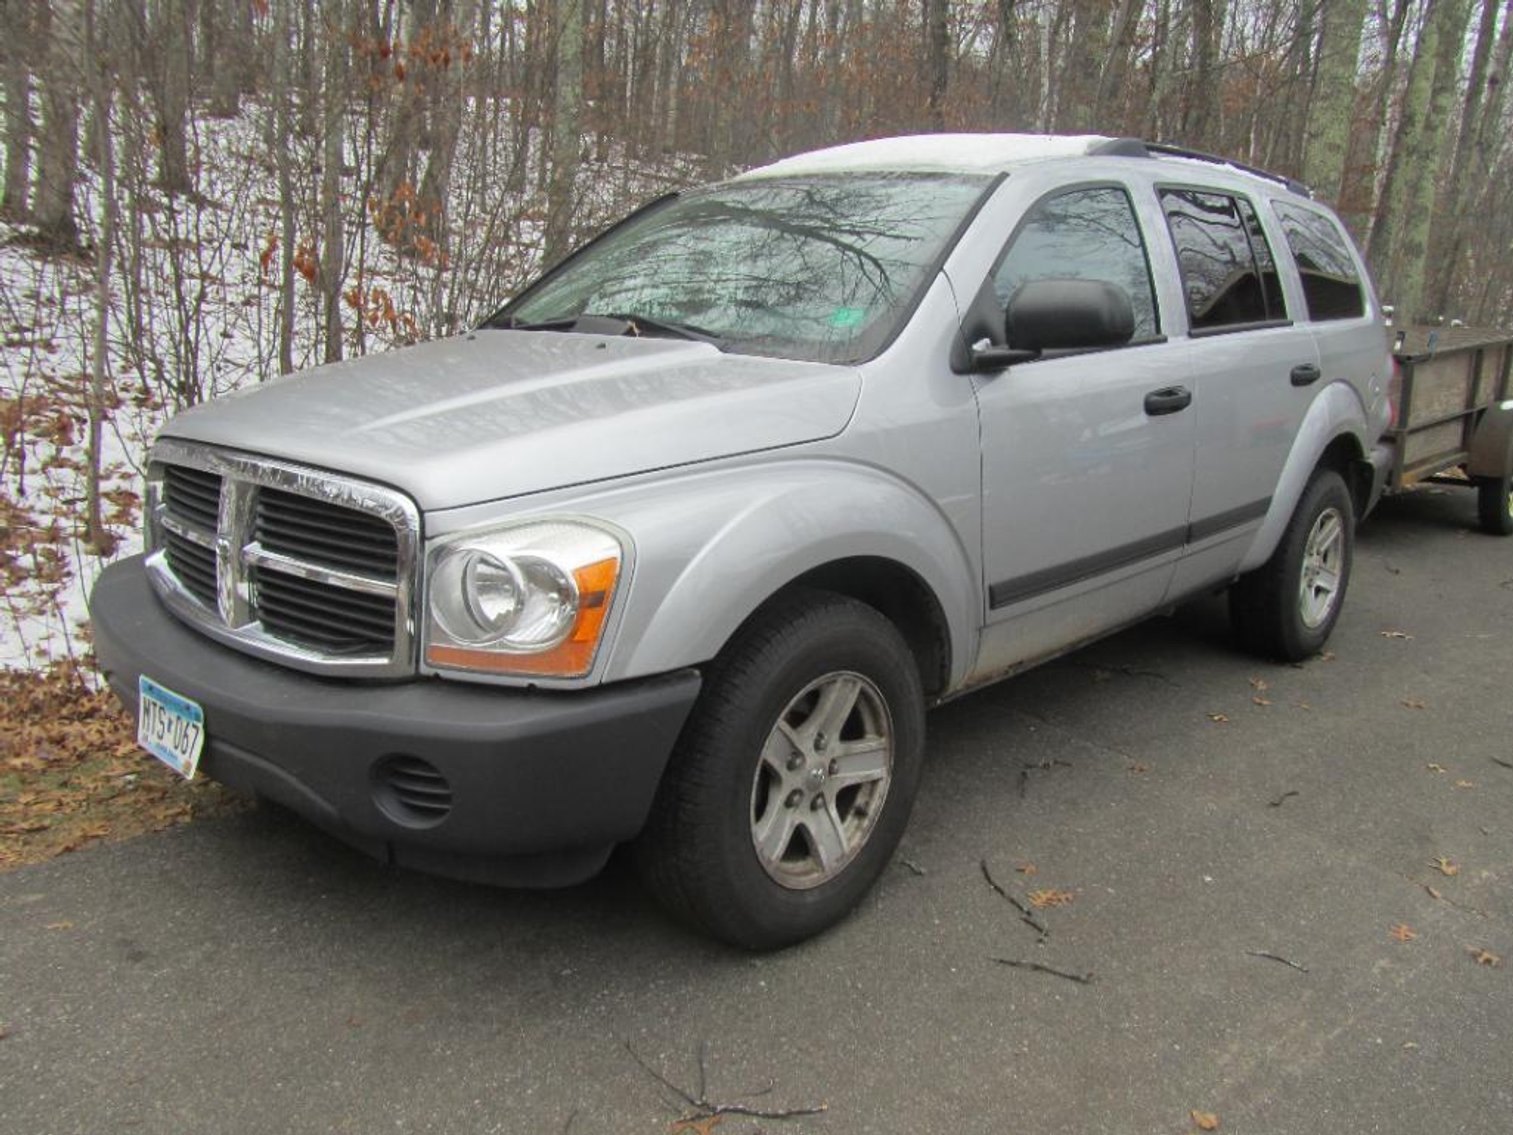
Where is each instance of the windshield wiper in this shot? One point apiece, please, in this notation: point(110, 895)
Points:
point(515, 323)
point(608, 323)
point(647, 325)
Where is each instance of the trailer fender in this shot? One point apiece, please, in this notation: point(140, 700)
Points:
point(1492, 443)
point(1336, 413)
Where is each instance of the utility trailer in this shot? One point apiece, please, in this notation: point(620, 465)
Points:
point(1453, 415)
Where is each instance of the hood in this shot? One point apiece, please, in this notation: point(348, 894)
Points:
point(496, 414)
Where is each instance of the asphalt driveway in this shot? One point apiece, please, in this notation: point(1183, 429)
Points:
point(1287, 884)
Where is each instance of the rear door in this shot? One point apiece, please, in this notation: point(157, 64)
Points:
point(1254, 372)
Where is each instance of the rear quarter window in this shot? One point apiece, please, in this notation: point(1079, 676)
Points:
point(1331, 284)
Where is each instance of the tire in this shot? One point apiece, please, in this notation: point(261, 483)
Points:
point(1494, 504)
point(749, 839)
point(1287, 607)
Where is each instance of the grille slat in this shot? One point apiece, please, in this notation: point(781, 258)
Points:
point(327, 525)
point(312, 593)
point(324, 615)
point(193, 496)
point(194, 565)
point(325, 533)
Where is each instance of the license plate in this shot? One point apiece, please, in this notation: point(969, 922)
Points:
point(170, 727)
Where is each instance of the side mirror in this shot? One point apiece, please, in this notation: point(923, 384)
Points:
point(1056, 315)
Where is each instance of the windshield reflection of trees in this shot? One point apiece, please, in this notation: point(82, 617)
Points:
point(819, 269)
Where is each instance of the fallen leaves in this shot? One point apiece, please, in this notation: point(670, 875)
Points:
point(1395, 634)
point(1205, 1120)
point(1484, 957)
point(1050, 897)
point(1219, 718)
point(62, 925)
point(1026, 868)
point(1412, 703)
point(1445, 866)
point(71, 773)
point(1432, 767)
point(1402, 932)
point(701, 1126)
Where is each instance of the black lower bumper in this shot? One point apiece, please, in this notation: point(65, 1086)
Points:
point(537, 786)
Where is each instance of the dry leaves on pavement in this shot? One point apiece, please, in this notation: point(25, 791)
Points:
point(71, 773)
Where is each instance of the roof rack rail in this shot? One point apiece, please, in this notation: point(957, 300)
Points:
point(1136, 148)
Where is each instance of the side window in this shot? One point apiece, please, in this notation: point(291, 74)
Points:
point(1083, 234)
point(1228, 273)
point(1331, 284)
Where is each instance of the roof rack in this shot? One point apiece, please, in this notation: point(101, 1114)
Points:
point(1136, 148)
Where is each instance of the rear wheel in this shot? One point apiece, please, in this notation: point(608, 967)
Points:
point(1494, 504)
point(794, 777)
point(1287, 607)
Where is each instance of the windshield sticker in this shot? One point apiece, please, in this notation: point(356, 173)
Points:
point(845, 317)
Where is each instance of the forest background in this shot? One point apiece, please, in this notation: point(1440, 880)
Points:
point(198, 195)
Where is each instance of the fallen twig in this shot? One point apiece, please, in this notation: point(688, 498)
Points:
point(1079, 978)
point(1500, 761)
point(705, 1108)
point(1043, 766)
point(1277, 803)
point(911, 865)
point(1277, 958)
point(1024, 911)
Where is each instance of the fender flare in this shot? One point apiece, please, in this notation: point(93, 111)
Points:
point(717, 548)
point(1492, 443)
point(1336, 412)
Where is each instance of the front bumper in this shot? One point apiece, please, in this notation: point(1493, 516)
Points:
point(542, 784)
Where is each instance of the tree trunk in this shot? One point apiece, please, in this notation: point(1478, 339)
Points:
point(58, 160)
point(19, 17)
point(566, 140)
point(170, 92)
point(1443, 38)
point(283, 126)
point(937, 47)
point(333, 158)
point(96, 536)
point(1333, 102)
point(1456, 193)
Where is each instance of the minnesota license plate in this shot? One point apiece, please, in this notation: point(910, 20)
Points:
point(170, 726)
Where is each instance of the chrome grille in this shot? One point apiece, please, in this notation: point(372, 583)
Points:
point(328, 618)
point(193, 495)
point(325, 533)
point(194, 564)
point(311, 569)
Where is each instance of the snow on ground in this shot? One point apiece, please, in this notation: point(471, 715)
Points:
point(193, 314)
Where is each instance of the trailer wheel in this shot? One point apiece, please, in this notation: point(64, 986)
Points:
point(1494, 504)
point(1286, 608)
point(793, 778)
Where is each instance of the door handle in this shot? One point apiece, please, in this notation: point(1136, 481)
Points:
point(1167, 400)
point(1305, 374)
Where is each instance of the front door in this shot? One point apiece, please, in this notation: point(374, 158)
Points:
point(1087, 458)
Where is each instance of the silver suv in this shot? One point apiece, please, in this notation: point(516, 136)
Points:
point(677, 547)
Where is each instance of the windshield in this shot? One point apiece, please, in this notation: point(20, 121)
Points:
point(821, 268)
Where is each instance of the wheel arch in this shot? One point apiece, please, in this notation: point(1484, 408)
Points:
point(842, 528)
point(1332, 435)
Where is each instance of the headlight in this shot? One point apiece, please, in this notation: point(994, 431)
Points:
point(529, 599)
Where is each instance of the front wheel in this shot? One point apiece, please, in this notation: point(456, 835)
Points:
point(1494, 504)
point(793, 780)
point(1287, 607)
